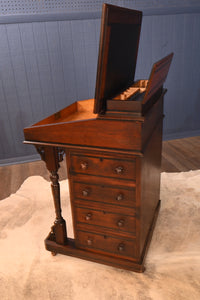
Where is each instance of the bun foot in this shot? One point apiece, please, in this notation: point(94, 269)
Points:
point(53, 253)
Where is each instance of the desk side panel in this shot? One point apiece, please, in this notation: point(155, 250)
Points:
point(150, 183)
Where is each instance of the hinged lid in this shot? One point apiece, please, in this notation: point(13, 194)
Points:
point(119, 41)
point(158, 76)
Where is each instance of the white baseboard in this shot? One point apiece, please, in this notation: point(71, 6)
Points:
point(19, 160)
point(180, 135)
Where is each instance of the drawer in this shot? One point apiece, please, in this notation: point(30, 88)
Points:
point(103, 193)
point(115, 221)
point(101, 166)
point(107, 243)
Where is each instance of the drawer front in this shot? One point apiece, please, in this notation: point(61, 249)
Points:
point(101, 166)
point(118, 246)
point(116, 221)
point(106, 194)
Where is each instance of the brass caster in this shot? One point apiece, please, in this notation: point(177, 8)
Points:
point(53, 253)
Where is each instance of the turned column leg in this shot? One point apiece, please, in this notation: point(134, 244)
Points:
point(52, 156)
point(59, 227)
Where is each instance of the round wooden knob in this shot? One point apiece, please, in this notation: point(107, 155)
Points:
point(121, 247)
point(120, 223)
point(120, 197)
point(119, 170)
point(88, 217)
point(85, 192)
point(84, 165)
point(89, 242)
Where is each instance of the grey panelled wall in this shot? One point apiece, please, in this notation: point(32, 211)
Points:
point(48, 64)
point(178, 33)
point(44, 66)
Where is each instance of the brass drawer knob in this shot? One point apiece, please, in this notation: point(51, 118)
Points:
point(88, 217)
point(89, 242)
point(120, 197)
point(84, 165)
point(85, 192)
point(119, 170)
point(121, 247)
point(120, 223)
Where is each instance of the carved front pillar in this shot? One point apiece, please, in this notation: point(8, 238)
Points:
point(52, 156)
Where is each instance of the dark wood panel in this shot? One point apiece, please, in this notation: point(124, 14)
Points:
point(150, 182)
point(104, 219)
point(106, 243)
point(102, 166)
point(103, 193)
point(69, 134)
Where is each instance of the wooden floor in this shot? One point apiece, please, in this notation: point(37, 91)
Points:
point(177, 156)
point(181, 155)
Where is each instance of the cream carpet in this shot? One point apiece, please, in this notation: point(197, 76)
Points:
point(28, 271)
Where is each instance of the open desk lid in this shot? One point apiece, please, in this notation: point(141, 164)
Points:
point(119, 41)
point(157, 77)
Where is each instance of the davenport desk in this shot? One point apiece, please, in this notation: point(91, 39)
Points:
point(112, 145)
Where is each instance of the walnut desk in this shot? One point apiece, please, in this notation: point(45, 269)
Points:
point(113, 153)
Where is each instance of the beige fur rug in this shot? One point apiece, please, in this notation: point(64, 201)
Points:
point(28, 271)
